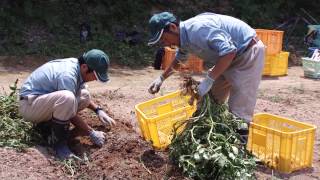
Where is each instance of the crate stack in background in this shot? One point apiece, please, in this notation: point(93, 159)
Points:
point(276, 60)
point(194, 64)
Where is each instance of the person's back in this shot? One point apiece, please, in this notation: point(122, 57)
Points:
point(60, 74)
point(199, 31)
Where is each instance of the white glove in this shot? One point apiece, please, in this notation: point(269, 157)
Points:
point(97, 137)
point(205, 86)
point(155, 85)
point(104, 118)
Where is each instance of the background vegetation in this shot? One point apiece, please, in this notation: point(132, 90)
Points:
point(51, 28)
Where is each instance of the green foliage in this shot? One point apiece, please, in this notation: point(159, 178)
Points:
point(14, 131)
point(209, 147)
point(265, 14)
point(71, 166)
point(51, 28)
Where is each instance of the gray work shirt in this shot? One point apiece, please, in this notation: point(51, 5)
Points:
point(211, 36)
point(60, 74)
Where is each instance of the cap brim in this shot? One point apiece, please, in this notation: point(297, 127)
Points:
point(102, 77)
point(156, 38)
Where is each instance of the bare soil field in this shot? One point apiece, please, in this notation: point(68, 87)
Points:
point(126, 155)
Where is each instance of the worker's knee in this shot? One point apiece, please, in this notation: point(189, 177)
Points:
point(67, 98)
point(66, 106)
point(84, 99)
point(85, 95)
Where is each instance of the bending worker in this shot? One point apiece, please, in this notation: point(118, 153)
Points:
point(55, 92)
point(228, 43)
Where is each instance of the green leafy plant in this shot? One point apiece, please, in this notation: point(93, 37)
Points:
point(209, 147)
point(14, 131)
point(71, 166)
point(57, 23)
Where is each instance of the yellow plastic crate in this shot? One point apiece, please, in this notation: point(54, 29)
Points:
point(283, 144)
point(276, 65)
point(272, 39)
point(157, 117)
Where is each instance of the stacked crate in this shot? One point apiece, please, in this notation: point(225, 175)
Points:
point(193, 64)
point(276, 60)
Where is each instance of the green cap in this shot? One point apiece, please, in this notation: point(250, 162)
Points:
point(157, 23)
point(98, 61)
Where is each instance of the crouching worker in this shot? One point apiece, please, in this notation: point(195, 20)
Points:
point(54, 93)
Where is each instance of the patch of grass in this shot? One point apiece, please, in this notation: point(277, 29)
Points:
point(72, 166)
point(276, 99)
point(261, 94)
point(267, 95)
point(298, 90)
point(14, 131)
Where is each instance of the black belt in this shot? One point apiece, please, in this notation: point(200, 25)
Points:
point(253, 41)
point(23, 98)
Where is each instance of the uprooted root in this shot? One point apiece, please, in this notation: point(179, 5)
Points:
point(190, 87)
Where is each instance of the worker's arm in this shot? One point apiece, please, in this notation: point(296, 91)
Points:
point(170, 70)
point(221, 43)
point(103, 116)
point(180, 55)
point(92, 106)
point(156, 84)
point(222, 65)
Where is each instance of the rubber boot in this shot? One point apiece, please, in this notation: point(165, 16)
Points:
point(58, 138)
point(244, 133)
point(44, 129)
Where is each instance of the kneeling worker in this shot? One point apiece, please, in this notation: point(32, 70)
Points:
point(55, 92)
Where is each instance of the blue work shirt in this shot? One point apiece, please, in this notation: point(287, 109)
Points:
point(60, 74)
point(211, 36)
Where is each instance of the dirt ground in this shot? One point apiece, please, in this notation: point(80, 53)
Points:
point(126, 155)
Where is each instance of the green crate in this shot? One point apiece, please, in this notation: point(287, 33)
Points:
point(311, 68)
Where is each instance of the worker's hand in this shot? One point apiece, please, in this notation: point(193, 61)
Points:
point(97, 137)
point(155, 85)
point(104, 118)
point(205, 86)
